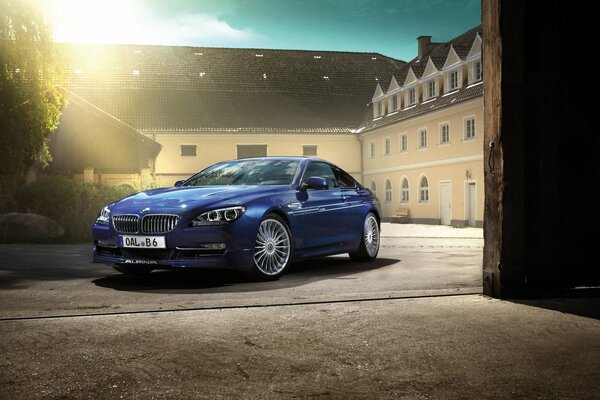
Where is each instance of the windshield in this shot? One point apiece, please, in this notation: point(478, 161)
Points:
point(246, 172)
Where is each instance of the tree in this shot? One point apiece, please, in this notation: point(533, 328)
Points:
point(29, 102)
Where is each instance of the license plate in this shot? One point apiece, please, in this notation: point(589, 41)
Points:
point(143, 242)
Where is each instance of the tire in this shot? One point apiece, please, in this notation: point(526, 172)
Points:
point(132, 270)
point(369, 243)
point(272, 249)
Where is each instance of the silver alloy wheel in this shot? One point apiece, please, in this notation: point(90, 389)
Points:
point(272, 249)
point(371, 235)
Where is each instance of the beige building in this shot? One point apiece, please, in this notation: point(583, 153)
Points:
point(417, 143)
point(422, 139)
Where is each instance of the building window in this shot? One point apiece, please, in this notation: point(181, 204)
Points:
point(251, 150)
point(423, 190)
point(377, 109)
point(387, 146)
point(188, 150)
point(453, 80)
point(394, 103)
point(404, 192)
point(477, 73)
point(388, 191)
point(444, 134)
point(372, 147)
point(431, 89)
point(411, 97)
point(309, 150)
point(470, 128)
point(404, 142)
point(374, 188)
point(422, 138)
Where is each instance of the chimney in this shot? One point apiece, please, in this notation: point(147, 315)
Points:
point(424, 42)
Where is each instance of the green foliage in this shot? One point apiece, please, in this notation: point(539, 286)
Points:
point(29, 102)
point(8, 185)
point(73, 204)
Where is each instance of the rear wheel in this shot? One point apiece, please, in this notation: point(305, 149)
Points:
point(369, 244)
point(272, 248)
point(132, 270)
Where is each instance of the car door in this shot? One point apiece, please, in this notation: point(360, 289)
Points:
point(321, 211)
point(357, 202)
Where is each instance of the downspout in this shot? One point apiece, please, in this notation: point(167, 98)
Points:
point(362, 166)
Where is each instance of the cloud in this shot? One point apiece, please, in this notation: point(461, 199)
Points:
point(201, 30)
point(133, 22)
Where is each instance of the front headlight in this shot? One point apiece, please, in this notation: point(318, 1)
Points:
point(103, 216)
point(219, 216)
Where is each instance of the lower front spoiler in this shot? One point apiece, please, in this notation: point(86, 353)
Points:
point(240, 260)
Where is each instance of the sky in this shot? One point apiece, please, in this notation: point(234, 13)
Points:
point(389, 27)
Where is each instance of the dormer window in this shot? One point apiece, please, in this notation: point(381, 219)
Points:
point(378, 109)
point(431, 89)
point(394, 103)
point(477, 72)
point(411, 96)
point(453, 80)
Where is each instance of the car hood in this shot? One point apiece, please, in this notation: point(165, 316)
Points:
point(181, 199)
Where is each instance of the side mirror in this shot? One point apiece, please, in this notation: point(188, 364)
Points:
point(315, 182)
point(179, 182)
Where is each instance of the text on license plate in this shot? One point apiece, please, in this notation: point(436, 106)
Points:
point(145, 242)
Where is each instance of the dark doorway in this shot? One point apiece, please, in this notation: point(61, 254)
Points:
point(540, 149)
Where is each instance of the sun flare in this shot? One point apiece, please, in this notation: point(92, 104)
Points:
point(85, 21)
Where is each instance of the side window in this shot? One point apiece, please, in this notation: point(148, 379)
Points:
point(344, 180)
point(321, 170)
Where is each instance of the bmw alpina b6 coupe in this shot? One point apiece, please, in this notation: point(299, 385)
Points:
point(255, 215)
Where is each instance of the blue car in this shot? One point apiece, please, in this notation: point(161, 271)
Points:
point(256, 215)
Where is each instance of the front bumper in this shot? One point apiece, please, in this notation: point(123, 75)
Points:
point(186, 248)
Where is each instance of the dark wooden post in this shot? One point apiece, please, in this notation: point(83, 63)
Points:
point(503, 255)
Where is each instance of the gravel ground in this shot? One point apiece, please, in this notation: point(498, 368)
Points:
point(73, 330)
point(429, 231)
point(462, 347)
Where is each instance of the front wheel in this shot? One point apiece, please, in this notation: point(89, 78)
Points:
point(369, 244)
point(272, 249)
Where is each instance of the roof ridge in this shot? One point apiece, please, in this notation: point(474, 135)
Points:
point(371, 53)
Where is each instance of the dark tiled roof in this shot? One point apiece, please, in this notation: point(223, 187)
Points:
point(419, 67)
point(438, 62)
point(467, 93)
point(438, 54)
point(401, 75)
point(461, 44)
point(169, 88)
